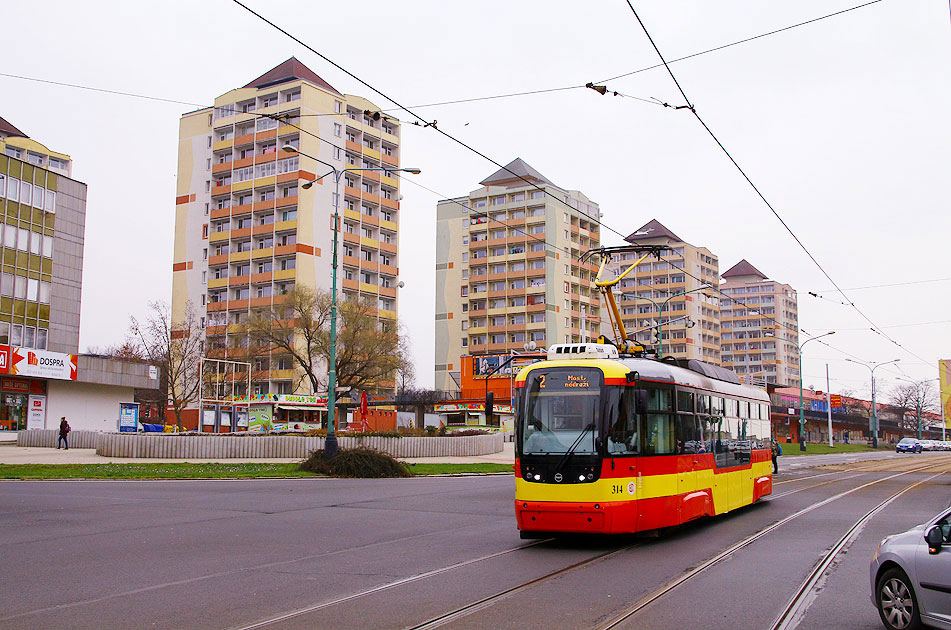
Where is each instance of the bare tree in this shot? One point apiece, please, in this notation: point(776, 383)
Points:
point(176, 347)
point(913, 400)
point(406, 377)
point(368, 355)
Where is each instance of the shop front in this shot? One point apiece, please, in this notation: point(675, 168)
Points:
point(24, 376)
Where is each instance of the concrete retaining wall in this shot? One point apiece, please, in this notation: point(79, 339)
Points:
point(257, 447)
point(49, 437)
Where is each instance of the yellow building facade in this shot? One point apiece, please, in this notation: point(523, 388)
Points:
point(247, 231)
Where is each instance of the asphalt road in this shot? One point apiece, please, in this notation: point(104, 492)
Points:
point(326, 553)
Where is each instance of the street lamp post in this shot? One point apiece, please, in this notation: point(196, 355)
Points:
point(660, 315)
point(873, 421)
point(802, 413)
point(330, 445)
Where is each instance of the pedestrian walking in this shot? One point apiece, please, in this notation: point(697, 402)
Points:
point(64, 430)
point(775, 454)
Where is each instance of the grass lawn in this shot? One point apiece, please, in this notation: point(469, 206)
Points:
point(205, 471)
point(824, 449)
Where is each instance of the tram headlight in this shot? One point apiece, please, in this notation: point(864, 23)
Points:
point(537, 477)
point(580, 477)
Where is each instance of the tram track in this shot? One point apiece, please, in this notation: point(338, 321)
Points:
point(483, 603)
point(794, 610)
point(810, 582)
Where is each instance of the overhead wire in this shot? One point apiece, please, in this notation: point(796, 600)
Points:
point(690, 106)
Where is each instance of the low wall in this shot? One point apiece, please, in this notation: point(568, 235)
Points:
point(284, 446)
point(50, 437)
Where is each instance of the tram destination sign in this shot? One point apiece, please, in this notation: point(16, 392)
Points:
point(580, 380)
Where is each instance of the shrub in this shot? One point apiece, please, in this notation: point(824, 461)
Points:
point(467, 432)
point(356, 462)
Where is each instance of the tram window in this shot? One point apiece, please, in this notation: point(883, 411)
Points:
point(660, 399)
point(689, 437)
point(623, 436)
point(659, 434)
point(744, 409)
point(703, 404)
point(685, 401)
point(718, 406)
point(732, 408)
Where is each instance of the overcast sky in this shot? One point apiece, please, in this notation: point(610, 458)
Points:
point(842, 124)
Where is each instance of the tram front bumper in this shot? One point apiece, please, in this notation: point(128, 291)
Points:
point(574, 517)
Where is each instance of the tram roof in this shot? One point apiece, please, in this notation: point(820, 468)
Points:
point(653, 369)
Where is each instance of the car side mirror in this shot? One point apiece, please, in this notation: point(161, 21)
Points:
point(935, 539)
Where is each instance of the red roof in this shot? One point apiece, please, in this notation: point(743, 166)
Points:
point(7, 130)
point(653, 229)
point(743, 268)
point(290, 70)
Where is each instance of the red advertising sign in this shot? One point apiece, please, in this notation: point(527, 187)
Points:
point(4, 359)
point(835, 400)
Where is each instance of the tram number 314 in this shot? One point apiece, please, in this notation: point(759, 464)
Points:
point(617, 488)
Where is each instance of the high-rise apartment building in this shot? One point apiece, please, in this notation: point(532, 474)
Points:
point(507, 269)
point(247, 231)
point(759, 326)
point(689, 321)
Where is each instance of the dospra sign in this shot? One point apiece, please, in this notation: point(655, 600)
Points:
point(37, 363)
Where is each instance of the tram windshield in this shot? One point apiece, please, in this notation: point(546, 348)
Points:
point(561, 409)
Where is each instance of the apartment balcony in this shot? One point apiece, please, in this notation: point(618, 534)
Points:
point(220, 213)
point(224, 167)
point(264, 158)
point(263, 252)
point(390, 160)
point(217, 191)
point(219, 237)
point(244, 140)
point(388, 270)
point(221, 259)
point(286, 202)
point(389, 248)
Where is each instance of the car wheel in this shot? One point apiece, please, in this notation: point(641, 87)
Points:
point(897, 604)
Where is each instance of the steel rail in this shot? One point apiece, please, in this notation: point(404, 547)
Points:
point(670, 586)
point(796, 608)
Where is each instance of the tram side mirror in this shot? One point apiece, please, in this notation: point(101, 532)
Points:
point(640, 401)
point(935, 539)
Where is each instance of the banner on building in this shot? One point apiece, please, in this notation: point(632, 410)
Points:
point(482, 366)
point(944, 368)
point(260, 418)
point(836, 401)
point(37, 363)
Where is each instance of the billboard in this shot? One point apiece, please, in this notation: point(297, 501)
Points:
point(484, 365)
point(944, 368)
point(37, 363)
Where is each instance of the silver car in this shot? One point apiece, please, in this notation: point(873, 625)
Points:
point(910, 576)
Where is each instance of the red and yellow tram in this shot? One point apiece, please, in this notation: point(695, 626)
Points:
point(613, 444)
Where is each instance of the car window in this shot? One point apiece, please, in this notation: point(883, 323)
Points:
point(945, 525)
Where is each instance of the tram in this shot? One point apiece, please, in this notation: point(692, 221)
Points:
point(611, 440)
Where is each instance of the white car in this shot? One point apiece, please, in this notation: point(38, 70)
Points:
point(910, 576)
